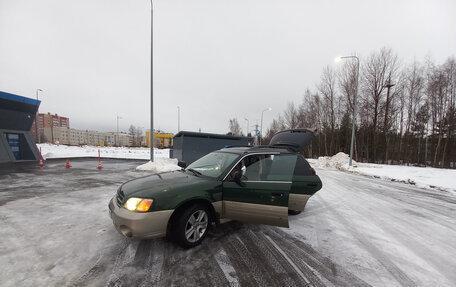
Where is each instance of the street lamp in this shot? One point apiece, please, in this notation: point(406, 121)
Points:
point(178, 119)
point(117, 136)
point(37, 117)
point(247, 131)
point(338, 59)
point(261, 129)
point(151, 81)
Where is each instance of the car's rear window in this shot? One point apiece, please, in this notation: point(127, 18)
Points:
point(302, 167)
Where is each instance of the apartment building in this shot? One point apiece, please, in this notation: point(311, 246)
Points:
point(67, 136)
point(47, 121)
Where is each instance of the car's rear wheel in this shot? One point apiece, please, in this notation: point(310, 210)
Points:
point(294, 212)
point(192, 225)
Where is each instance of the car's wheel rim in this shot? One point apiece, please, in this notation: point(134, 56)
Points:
point(196, 226)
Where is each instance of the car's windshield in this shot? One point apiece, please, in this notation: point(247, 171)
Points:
point(213, 164)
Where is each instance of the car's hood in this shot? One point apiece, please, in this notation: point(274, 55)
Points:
point(150, 185)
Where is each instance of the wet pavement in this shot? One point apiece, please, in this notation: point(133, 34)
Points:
point(356, 231)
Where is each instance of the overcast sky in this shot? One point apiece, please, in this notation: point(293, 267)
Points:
point(215, 59)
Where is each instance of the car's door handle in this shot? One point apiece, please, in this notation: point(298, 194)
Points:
point(277, 194)
point(312, 184)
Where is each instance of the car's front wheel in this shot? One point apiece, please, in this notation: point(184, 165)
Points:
point(192, 226)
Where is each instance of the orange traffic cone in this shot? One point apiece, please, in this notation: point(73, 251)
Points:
point(99, 160)
point(41, 159)
point(68, 164)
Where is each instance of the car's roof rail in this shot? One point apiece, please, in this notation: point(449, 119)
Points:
point(231, 146)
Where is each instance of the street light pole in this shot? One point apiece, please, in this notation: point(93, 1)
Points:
point(261, 129)
point(355, 104)
point(37, 117)
point(178, 119)
point(117, 134)
point(151, 81)
point(247, 131)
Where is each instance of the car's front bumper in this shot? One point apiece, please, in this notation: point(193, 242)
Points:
point(139, 225)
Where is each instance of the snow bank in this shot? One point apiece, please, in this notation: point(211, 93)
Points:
point(160, 165)
point(427, 177)
point(339, 161)
point(64, 151)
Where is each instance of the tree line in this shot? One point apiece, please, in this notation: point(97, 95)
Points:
point(406, 111)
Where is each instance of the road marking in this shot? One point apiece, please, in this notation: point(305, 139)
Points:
point(225, 264)
point(289, 259)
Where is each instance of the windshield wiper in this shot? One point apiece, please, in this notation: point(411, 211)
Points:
point(195, 172)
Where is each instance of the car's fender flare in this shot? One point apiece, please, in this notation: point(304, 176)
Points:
point(181, 206)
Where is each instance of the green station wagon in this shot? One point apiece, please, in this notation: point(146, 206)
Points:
point(260, 184)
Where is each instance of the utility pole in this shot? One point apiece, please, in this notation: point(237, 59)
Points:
point(261, 129)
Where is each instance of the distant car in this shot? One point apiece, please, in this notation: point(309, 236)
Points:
point(260, 184)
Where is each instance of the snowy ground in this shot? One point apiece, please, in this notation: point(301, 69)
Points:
point(427, 177)
point(356, 231)
point(162, 162)
point(65, 151)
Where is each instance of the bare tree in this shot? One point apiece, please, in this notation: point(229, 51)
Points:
point(379, 70)
point(235, 128)
point(290, 116)
point(327, 88)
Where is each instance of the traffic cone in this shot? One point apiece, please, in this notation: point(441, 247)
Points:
point(41, 159)
point(68, 164)
point(99, 160)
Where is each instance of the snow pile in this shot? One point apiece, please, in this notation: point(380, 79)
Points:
point(64, 151)
point(427, 177)
point(160, 165)
point(339, 161)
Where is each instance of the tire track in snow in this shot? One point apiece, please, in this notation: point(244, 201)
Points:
point(125, 256)
point(380, 256)
point(316, 267)
point(225, 264)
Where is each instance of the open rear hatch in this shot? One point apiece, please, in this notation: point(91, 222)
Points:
point(295, 138)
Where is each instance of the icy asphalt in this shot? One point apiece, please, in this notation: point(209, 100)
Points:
point(356, 231)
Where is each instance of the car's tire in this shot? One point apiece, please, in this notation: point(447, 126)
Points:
point(294, 212)
point(191, 225)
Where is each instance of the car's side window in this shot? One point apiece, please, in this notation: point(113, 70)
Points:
point(282, 167)
point(266, 167)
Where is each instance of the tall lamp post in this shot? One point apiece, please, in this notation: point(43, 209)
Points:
point(338, 59)
point(261, 128)
point(151, 81)
point(37, 117)
point(178, 119)
point(117, 134)
point(247, 131)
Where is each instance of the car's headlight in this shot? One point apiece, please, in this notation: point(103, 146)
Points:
point(138, 204)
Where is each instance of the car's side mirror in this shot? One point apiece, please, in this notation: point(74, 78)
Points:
point(182, 164)
point(237, 177)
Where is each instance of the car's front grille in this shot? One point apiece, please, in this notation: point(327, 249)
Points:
point(120, 197)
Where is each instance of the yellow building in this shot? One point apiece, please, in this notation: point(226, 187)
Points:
point(160, 140)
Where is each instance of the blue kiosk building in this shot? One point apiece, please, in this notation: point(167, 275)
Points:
point(17, 114)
